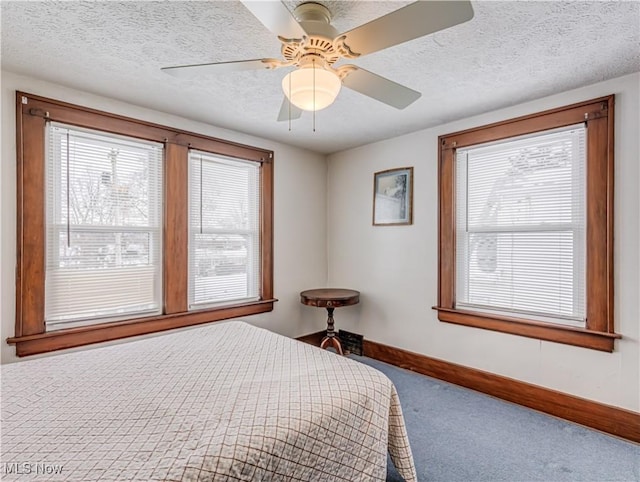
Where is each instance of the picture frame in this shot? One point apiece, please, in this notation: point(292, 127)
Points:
point(393, 197)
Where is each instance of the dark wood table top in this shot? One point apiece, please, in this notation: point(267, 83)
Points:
point(330, 297)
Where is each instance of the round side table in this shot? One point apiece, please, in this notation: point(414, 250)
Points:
point(330, 298)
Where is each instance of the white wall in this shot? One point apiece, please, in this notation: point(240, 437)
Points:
point(299, 238)
point(395, 268)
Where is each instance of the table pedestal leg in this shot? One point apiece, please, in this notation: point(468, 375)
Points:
point(331, 339)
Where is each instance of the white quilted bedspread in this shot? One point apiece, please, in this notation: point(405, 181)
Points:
point(225, 402)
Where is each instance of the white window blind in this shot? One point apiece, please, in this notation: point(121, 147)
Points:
point(520, 226)
point(103, 227)
point(224, 230)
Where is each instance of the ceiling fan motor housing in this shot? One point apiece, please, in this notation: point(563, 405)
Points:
point(315, 20)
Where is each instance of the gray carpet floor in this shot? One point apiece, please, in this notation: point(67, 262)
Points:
point(458, 434)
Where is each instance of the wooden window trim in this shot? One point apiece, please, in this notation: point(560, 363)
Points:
point(599, 331)
point(32, 113)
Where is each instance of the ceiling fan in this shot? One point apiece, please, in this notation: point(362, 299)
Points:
point(313, 46)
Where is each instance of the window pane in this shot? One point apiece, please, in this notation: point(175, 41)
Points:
point(103, 226)
point(224, 220)
point(520, 225)
point(106, 249)
point(526, 272)
point(221, 263)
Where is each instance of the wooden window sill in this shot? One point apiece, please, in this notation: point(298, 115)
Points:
point(86, 335)
point(568, 335)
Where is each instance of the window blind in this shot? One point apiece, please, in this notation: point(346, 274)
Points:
point(520, 226)
point(103, 227)
point(224, 230)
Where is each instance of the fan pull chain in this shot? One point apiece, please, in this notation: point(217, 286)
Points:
point(200, 193)
point(289, 102)
point(314, 95)
point(68, 198)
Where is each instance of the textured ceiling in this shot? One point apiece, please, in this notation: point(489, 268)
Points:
point(510, 52)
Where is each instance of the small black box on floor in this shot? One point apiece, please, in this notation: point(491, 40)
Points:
point(351, 342)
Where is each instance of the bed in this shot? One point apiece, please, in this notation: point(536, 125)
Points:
point(223, 402)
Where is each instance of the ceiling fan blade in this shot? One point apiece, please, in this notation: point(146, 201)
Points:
point(415, 20)
point(381, 89)
point(286, 114)
point(191, 71)
point(277, 18)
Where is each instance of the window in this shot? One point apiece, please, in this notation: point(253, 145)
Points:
point(103, 216)
point(520, 226)
point(127, 227)
point(526, 226)
point(224, 237)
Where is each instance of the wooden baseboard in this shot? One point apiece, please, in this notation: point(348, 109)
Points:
point(313, 338)
point(606, 418)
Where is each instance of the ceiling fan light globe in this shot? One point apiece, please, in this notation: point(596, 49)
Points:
point(298, 86)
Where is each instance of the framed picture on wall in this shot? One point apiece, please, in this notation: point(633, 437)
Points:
point(393, 197)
